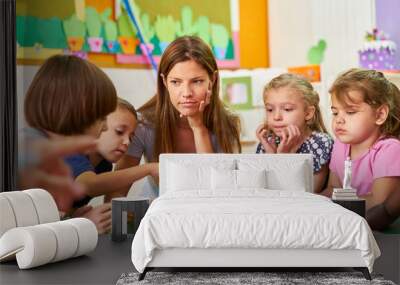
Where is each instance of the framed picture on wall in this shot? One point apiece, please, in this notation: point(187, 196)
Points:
point(237, 92)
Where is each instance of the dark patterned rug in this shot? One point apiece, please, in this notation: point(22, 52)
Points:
point(228, 278)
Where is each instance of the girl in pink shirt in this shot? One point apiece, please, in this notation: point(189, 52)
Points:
point(366, 123)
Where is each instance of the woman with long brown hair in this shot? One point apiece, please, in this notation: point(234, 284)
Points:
point(186, 115)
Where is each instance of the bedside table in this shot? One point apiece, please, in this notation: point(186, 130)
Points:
point(357, 206)
point(120, 209)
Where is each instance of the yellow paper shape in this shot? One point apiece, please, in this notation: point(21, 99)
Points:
point(80, 9)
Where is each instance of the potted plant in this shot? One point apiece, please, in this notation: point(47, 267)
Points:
point(75, 31)
point(93, 24)
point(127, 38)
point(110, 31)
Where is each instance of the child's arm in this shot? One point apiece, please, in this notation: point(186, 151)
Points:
point(320, 178)
point(333, 182)
point(99, 215)
point(105, 183)
point(381, 189)
point(125, 162)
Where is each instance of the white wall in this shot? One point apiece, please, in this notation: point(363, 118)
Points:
point(290, 32)
point(296, 25)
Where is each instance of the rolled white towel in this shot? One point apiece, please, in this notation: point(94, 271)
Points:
point(33, 246)
point(7, 217)
point(40, 244)
point(23, 208)
point(87, 235)
point(45, 205)
point(66, 238)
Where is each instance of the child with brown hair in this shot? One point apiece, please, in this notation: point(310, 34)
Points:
point(94, 170)
point(67, 97)
point(366, 123)
point(294, 123)
point(70, 96)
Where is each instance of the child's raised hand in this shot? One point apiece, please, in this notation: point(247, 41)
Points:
point(267, 142)
point(291, 140)
point(50, 171)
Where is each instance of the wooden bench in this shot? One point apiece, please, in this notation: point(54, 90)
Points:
point(388, 263)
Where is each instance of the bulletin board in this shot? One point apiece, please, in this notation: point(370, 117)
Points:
point(102, 31)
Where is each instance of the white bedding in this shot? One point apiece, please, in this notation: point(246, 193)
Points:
point(251, 218)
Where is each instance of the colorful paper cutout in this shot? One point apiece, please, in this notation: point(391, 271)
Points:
point(101, 27)
point(315, 54)
point(80, 9)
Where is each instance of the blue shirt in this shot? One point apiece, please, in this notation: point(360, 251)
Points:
point(79, 164)
point(318, 144)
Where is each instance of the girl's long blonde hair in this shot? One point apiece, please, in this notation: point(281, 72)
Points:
point(376, 91)
point(160, 112)
point(305, 88)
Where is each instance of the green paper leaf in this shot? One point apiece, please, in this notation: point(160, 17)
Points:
point(204, 29)
point(165, 28)
point(315, 54)
point(93, 23)
point(219, 36)
point(73, 27)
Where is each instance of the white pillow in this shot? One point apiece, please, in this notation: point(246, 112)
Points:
point(280, 174)
point(251, 178)
point(223, 179)
point(190, 176)
point(292, 179)
point(237, 179)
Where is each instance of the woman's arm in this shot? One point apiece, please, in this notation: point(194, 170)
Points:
point(201, 135)
point(333, 182)
point(381, 189)
point(202, 140)
point(106, 183)
point(320, 178)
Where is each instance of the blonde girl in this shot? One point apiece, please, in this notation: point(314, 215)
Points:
point(294, 123)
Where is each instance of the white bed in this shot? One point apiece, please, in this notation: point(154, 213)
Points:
point(213, 212)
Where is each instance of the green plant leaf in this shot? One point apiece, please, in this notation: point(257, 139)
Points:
point(315, 54)
point(219, 36)
point(73, 27)
point(93, 22)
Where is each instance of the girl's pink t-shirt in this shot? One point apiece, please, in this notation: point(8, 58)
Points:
point(381, 160)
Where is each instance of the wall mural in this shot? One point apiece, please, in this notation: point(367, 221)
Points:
point(87, 27)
